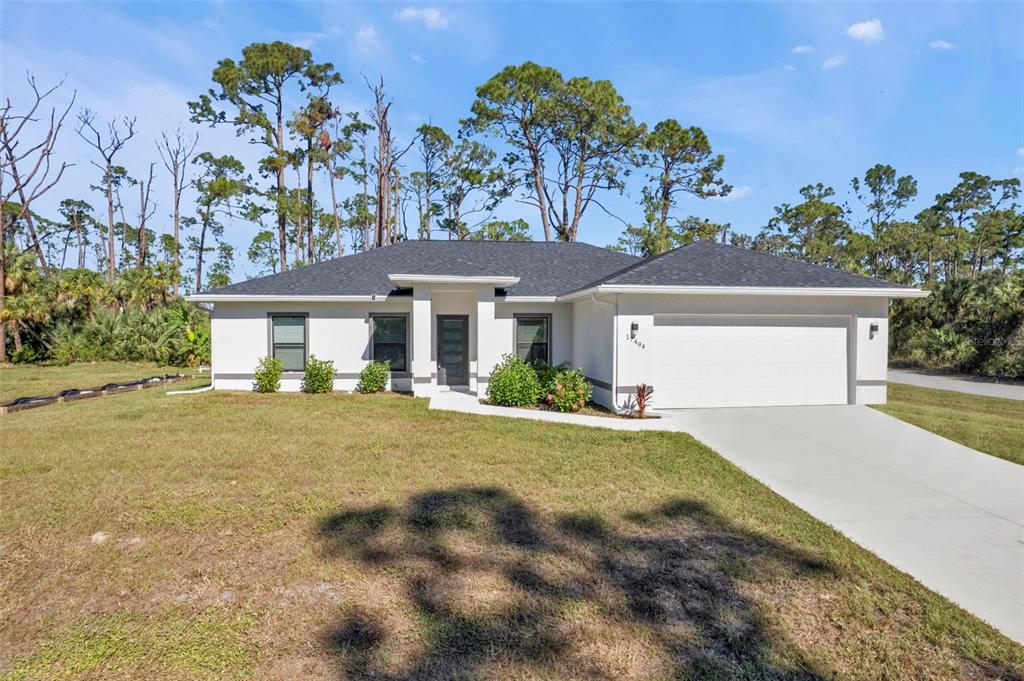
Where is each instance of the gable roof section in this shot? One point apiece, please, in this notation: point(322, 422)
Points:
point(543, 268)
point(710, 264)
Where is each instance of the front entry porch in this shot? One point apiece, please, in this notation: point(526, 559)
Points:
point(454, 336)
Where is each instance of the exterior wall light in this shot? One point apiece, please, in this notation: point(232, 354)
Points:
point(873, 329)
point(633, 328)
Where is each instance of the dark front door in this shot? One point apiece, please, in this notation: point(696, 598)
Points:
point(452, 350)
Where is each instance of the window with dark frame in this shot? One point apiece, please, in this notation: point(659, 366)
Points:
point(533, 338)
point(288, 341)
point(391, 340)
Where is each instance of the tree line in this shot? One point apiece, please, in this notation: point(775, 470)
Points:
point(330, 181)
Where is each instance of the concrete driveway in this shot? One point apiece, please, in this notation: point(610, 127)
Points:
point(948, 515)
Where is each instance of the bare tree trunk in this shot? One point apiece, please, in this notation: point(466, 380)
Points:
point(176, 162)
point(28, 220)
point(144, 214)
point(110, 224)
point(78, 237)
point(282, 226)
point(310, 245)
point(334, 208)
point(200, 253)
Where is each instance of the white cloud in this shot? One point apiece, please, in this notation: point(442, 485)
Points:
point(834, 61)
point(941, 45)
point(1020, 152)
point(417, 58)
point(802, 49)
point(737, 193)
point(789, 67)
point(368, 40)
point(307, 40)
point(432, 17)
point(866, 31)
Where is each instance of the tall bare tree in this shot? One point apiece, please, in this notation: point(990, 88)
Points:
point(386, 158)
point(175, 153)
point(38, 173)
point(146, 210)
point(108, 147)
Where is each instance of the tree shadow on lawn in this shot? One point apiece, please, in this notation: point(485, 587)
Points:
point(495, 589)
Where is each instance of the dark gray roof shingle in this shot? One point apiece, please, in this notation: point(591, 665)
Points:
point(543, 268)
point(548, 269)
point(707, 263)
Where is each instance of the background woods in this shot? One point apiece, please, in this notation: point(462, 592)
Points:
point(101, 277)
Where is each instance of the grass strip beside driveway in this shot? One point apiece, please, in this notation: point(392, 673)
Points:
point(988, 424)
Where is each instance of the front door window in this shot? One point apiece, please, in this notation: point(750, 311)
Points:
point(452, 350)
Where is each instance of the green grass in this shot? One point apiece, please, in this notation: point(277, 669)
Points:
point(989, 424)
point(299, 536)
point(26, 381)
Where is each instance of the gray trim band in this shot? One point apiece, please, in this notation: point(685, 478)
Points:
point(294, 375)
point(597, 383)
point(873, 383)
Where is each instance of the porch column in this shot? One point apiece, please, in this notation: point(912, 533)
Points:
point(422, 366)
point(487, 344)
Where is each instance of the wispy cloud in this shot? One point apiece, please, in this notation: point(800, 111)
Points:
point(941, 45)
point(802, 49)
point(1020, 152)
point(834, 61)
point(432, 17)
point(368, 40)
point(866, 31)
point(736, 194)
point(417, 58)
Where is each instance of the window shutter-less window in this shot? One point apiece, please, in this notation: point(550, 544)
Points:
point(289, 341)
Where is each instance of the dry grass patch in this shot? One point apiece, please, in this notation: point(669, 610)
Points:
point(349, 536)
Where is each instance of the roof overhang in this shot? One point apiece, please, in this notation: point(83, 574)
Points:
point(850, 292)
point(242, 298)
point(413, 279)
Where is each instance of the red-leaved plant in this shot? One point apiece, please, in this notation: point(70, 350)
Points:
point(643, 399)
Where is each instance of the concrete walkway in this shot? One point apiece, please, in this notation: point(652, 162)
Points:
point(960, 384)
point(950, 516)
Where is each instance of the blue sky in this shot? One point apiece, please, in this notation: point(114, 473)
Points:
point(790, 93)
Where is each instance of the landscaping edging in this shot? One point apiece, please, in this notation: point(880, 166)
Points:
point(74, 394)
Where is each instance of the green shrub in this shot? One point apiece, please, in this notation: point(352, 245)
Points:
point(374, 376)
point(545, 371)
point(319, 376)
point(514, 383)
point(567, 390)
point(268, 375)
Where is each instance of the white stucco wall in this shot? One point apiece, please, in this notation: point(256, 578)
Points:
point(341, 332)
point(593, 345)
point(336, 331)
point(868, 355)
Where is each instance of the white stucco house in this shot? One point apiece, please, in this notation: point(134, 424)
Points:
point(707, 325)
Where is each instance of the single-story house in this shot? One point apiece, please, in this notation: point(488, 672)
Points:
point(707, 325)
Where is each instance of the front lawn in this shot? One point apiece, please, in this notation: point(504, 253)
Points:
point(989, 424)
point(236, 535)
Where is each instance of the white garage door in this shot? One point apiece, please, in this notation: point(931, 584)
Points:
point(749, 361)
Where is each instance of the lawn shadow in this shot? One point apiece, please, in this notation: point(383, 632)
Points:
point(497, 589)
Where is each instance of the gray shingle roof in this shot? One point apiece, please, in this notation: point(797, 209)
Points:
point(548, 269)
point(707, 263)
point(543, 268)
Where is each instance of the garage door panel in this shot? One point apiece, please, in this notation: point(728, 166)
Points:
point(726, 362)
